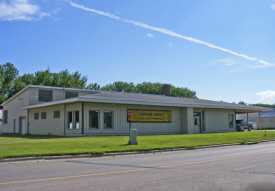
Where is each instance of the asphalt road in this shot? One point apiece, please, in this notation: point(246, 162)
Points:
point(243, 167)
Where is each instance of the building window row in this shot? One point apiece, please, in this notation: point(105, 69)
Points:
point(47, 95)
point(56, 114)
point(94, 119)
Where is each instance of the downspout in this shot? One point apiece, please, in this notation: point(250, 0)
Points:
point(28, 122)
point(260, 121)
point(82, 122)
point(64, 119)
point(234, 120)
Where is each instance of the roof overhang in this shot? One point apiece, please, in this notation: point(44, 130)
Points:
point(93, 100)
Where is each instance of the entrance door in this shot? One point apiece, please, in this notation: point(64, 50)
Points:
point(22, 123)
point(196, 128)
point(14, 126)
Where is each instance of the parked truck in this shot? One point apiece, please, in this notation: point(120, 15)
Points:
point(241, 125)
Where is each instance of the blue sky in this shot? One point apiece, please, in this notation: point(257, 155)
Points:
point(223, 50)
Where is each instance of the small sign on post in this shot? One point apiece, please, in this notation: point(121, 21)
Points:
point(129, 115)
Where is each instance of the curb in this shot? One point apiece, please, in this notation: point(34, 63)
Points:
point(42, 158)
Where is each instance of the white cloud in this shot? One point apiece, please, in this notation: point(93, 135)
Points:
point(266, 97)
point(226, 62)
point(149, 35)
point(168, 32)
point(56, 11)
point(272, 6)
point(93, 10)
point(171, 45)
point(20, 10)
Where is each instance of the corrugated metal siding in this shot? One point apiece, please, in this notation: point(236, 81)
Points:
point(217, 120)
point(121, 126)
point(266, 122)
point(14, 112)
point(50, 125)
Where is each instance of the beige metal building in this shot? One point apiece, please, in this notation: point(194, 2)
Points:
point(266, 119)
point(77, 112)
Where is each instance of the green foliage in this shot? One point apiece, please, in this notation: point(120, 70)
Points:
point(7, 75)
point(10, 83)
point(92, 86)
point(264, 105)
point(242, 103)
point(148, 88)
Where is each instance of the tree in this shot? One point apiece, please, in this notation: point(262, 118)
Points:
point(148, 88)
point(7, 75)
point(92, 86)
point(242, 103)
point(20, 82)
point(43, 78)
point(264, 105)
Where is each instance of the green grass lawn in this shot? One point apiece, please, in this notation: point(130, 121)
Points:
point(14, 145)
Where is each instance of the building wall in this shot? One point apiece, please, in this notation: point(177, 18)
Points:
point(14, 112)
point(121, 126)
point(217, 120)
point(58, 94)
point(266, 122)
point(50, 125)
point(187, 120)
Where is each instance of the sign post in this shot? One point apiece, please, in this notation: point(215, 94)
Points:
point(129, 115)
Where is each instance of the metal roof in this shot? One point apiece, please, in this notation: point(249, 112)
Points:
point(267, 114)
point(156, 100)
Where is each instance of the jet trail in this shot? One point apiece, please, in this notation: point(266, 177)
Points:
point(168, 32)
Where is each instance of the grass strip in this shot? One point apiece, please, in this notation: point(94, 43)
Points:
point(15, 145)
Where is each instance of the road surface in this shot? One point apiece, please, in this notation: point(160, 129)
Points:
point(242, 167)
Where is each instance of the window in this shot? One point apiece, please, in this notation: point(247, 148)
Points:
point(70, 120)
point(195, 121)
point(45, 95)
point(76, 120)
point(5, 117)
point(56, 114)
point(36, 116)
point(231, 120)
point(108, 119)
point(71, 95)
point(73, 120)
point(197, 114)
point(93, 119)
point(43, 115)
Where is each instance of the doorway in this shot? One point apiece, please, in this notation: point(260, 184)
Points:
point(196, 128)
point(14, 126)
point(22, 125)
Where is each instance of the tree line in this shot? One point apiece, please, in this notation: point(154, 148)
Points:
point(11, 83)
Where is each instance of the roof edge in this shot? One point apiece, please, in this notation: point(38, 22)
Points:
point(79, 99)
point(47, 87)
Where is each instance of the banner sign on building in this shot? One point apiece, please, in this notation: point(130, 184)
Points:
point(149, 116)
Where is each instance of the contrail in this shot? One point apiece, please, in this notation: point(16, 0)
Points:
point(168, 32)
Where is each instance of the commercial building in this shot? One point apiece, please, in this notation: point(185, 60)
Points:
point(266, 119)
point(77, 112)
